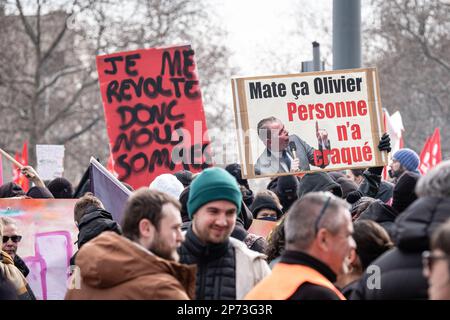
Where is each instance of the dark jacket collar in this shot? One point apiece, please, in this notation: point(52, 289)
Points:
point(204, 252)
point(297, 257)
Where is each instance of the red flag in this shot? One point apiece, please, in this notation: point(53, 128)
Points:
point(18, 177)
point(431, 154)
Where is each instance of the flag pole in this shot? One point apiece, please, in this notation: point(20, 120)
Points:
point(18, 164)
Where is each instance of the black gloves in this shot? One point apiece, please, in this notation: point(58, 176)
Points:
point(385, 143)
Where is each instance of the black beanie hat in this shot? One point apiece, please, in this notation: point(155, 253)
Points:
point(61, 188)
point(184, 176)
point(264, 202)
point(183, 200)
point(10, 190)
point(404, 193)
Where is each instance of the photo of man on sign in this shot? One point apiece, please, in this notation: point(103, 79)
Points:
point(284, 152)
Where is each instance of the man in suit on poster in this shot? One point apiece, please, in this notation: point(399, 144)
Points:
point(284, 152)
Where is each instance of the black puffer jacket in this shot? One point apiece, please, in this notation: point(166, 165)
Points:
point(382, 214)
point(401, 268)
point(216, 267)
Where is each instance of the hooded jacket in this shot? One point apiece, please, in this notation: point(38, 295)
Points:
point(318, 181)
point(94, 222)
point(401, 268)
point(113, 267)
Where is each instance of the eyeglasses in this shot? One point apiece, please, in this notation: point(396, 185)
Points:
point(321, 214)
point(13, 239)
point(429, 259)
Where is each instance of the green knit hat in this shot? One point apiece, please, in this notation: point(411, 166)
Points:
point(211, 185)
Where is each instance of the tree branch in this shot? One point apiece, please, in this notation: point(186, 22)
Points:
point(79, 132)
point(66, 71)
point(74, 99)
point(29, 31)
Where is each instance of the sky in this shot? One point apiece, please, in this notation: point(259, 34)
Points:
point(264, 31)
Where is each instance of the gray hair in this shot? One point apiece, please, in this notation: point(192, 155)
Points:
point(436, 183)
point(261, 127)
point(301, 218)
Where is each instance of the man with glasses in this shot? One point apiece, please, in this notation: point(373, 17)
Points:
point(11, 240)
point(284, 152)
point(436, 264)
point(318, 233)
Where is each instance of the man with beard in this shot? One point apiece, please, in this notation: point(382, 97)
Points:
point(141, 265)
point(404, 160)
point(226, 268)
point(11, 240)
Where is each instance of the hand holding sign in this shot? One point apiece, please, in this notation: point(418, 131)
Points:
point(322, 137)
point(31, 174)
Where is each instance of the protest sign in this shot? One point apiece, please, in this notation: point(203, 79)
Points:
point(50, 161)
point(262, 228)
point(48, 234)
point(317, 121)
point(111, 192)
point(154, 113)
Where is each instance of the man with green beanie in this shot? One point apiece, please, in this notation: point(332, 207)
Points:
point(226, 268)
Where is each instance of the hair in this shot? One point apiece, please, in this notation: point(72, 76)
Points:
point(272, 195)
point(357, 172)
point(7, 221)
point(276, 241)
point(262, 125)
point(301, 218)
point(86, 201)
point(360, 206)
point(436, 183)
point(371, 240)
point(441, 238)
point(145, 204)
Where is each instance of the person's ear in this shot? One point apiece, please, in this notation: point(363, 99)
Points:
point(323, 239)
point(146, 229)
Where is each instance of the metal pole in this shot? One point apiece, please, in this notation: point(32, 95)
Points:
point(346, 34)
point(316, 56)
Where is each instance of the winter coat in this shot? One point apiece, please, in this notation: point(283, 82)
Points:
point(401, 268)
point(115, 268)
point(227, 270)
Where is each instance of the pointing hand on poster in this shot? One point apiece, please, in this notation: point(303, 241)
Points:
point(322, 137)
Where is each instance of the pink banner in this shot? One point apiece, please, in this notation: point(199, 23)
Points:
point(48, 235)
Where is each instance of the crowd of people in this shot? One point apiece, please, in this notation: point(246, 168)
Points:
point(339, 235)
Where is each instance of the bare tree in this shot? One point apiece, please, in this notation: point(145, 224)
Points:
point(409, 43)
point(48, 78)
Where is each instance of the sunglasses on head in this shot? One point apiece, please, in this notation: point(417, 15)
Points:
point(13, 239)
point(321, 214)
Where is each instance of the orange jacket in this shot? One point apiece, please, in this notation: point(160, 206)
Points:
point(285, 280)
